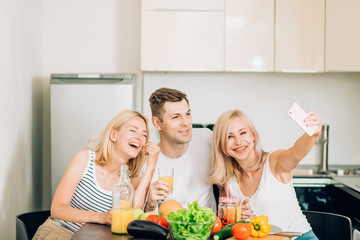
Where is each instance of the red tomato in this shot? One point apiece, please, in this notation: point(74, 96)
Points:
point(217, 227)
point(152, 218)
point(162, 221)
point(158, 219)
point(241, 231)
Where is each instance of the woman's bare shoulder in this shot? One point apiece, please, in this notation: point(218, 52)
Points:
point(81, 157)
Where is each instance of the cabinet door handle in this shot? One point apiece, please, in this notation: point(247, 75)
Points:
point(299, 71)
point(193, 10)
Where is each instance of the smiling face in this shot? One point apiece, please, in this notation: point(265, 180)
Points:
point(130, 138)
point(240, 140)
point(176, 124)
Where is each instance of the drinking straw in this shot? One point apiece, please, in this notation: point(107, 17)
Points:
point(227, 190)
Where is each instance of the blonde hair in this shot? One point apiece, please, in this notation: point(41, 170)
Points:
point(224, 167)
point(104, 146)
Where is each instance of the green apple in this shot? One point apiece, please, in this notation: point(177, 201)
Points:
point(145, 215)
point(138, 213)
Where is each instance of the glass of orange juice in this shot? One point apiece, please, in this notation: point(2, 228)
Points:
point(167, 175)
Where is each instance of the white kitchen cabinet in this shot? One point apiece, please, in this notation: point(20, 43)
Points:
point(182, 41)
point(182, 5)
point(342, 35)
point(249, 35)
point(299, 36)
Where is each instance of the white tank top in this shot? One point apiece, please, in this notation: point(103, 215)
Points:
point(276, 200)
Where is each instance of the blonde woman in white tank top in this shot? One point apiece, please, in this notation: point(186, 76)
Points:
point(239, 162)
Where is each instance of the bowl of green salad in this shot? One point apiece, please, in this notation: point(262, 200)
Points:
point(195, 223)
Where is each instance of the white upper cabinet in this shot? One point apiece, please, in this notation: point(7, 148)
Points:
point(182, 41)
point(205, 5)
point(249, 35)
point(299, 36)
point(342, 35)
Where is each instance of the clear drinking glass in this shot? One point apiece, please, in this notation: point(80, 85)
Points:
point(247, 210)
point(167, 175)
point(227, 210)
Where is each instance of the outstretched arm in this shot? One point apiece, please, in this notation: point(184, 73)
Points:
point(287, 159)
point(60, 208)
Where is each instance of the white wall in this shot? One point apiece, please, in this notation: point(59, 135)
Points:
point(21, 110)
point(88, 36)
point(266, 98)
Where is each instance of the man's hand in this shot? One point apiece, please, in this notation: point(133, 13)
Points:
point(159, 190)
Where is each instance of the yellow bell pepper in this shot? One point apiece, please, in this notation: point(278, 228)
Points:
point(259, 226)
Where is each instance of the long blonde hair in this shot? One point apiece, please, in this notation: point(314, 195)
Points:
point(103, 146)
point(224, 167)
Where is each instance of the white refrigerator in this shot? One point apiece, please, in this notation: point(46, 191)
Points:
point(81, 106)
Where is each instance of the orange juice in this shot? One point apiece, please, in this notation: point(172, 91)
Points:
point(124, 204)
point(238, 212)
point(120, 218)
point(169, 180)
point(227, 210)
point(229, 215)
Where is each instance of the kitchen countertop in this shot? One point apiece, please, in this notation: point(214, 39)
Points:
point(305, 170)
point(311, 181)
point(352, 182)
point(310, 176)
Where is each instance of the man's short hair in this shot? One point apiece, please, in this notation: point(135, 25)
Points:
point(161, 96)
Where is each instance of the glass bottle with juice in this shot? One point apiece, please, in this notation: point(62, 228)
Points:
point(122, 203)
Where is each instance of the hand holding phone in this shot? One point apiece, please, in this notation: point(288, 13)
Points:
point(298, 115)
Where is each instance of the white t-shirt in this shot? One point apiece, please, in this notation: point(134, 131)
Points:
point(276, 200)
point(191, 171)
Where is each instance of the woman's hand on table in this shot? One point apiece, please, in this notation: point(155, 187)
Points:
point(104, 218)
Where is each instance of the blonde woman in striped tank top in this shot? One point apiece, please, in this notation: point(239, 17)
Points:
point(245, 170)
point(84, 194)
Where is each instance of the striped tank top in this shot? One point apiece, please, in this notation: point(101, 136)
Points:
point(88, 195)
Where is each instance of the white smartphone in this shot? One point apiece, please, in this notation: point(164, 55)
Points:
point(298, 115)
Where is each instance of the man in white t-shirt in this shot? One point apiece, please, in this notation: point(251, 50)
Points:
point(186, 150)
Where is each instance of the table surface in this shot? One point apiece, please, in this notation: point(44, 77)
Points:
point(103, 232)
point(97, 231)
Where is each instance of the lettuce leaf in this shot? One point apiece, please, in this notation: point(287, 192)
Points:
point(193, 224)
